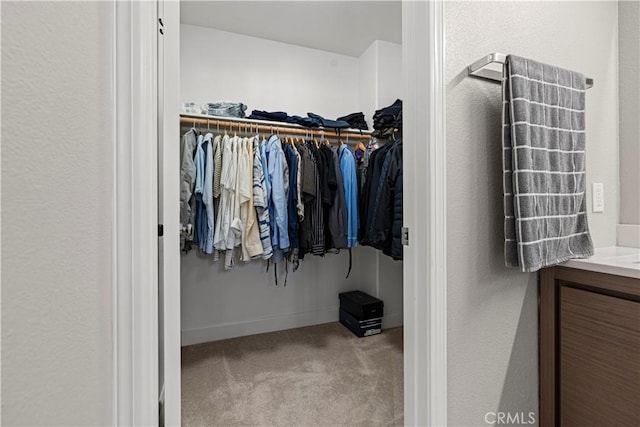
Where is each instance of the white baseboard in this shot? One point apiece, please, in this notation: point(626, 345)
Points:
point(392, 320)
point(259, 326)
point(628, 235)
point(272, 324)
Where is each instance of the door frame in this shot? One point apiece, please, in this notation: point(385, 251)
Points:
point(135, 229)
point(135, 251)
point(425, 213)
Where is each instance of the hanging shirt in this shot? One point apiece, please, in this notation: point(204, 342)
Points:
point(265, 168)
point(201, 212)
point(292, 201)
point(251, 239)
point(312, 228)
point(276, 179)
point(338, 212)
point(217, 165)
point(244, 194)
point(187, 186)
point(260, 201)
point(207, 194)
point(328, 186)
point(350, 186)
point(299, 203)
point(225, 212)
point(233, 235)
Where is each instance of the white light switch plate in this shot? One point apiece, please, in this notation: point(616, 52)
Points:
point(597, 194)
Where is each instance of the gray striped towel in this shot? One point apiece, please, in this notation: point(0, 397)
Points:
point(543, 145)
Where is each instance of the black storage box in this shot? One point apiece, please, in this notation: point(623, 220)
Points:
point(361, 306)
point(361, 328)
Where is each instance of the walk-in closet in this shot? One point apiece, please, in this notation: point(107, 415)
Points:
point(284, 207)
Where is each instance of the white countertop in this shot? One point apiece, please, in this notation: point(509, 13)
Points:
point(611, 260)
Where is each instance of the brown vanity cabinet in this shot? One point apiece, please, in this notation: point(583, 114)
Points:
point(589, 348)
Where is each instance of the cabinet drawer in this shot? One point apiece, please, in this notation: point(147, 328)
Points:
point(599, 359)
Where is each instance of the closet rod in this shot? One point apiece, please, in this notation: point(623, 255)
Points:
point(285, 128)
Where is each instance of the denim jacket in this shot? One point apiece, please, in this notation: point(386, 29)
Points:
point(275, 179)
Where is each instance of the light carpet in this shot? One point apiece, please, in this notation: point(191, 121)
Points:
point(319, 375)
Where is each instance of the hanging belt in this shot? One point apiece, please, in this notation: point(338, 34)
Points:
point(275, 272)
point(286, 269)
point(350, 264)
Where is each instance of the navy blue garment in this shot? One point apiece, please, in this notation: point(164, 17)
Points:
point(388, 117)
point(201, 208)
point(336, 124)
point(384, 215)
point(380, 189)
point(396, 228)
point(328, 188)
point(355, 120)
point(372, 181)
point(292, 214)
point(304, 121)
point(274, 116)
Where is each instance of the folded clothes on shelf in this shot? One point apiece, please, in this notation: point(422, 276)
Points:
point(336, 124)
point(307, 122)
point(355, 120)
point(311, 121)
point(388, 117)
point(226, 109)
point(273, 116)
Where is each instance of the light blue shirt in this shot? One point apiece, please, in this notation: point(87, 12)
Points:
point(199, 161)
point(265, 168)
point(207, 193)
point(350, 184)
point(277, 196)
point(200, 217)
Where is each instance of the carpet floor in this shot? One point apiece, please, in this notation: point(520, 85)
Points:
point(319, 375)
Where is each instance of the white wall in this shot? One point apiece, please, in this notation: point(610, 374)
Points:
point(218, 304)
point(380, 85)
point(492, 341)
point(380, 78)
point(57, 173)
point(265, 75)
point(629, 47)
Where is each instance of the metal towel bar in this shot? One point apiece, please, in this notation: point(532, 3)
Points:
point(490, 68)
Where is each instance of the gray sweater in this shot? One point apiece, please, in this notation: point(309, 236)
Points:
point(187, 183)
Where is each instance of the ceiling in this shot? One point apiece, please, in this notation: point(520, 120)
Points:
point(346, 27)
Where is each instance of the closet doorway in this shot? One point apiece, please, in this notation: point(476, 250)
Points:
point(260, 342)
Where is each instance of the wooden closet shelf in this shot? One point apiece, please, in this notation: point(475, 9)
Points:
point(265, 126)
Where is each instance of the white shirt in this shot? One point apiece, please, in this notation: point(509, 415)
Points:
point(223, 223)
